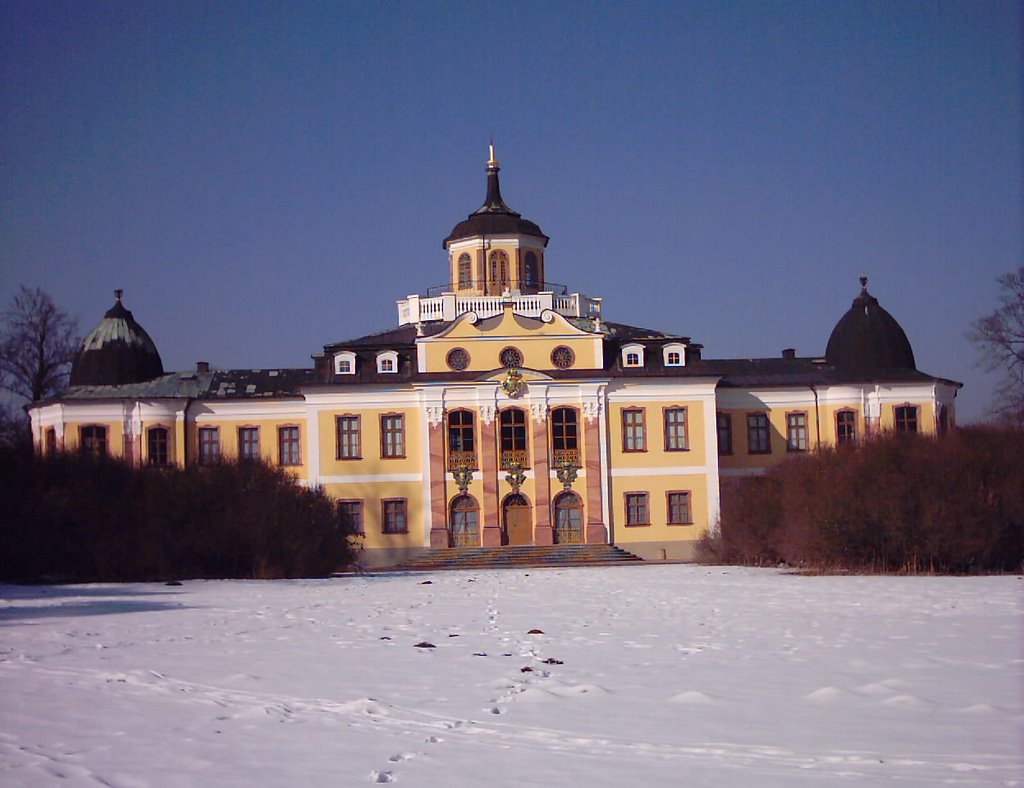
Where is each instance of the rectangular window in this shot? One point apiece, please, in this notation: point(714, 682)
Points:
point(51, 441)
point(637, 511)
point(394, 515)
point(634, 431)
point(93, 440)
point(249, 444)
point(156, 438)
point(724, 424)
point(392, 435)
point(796, 432)
point(350, 517)
point(347, 433)
point(209, 445)
point(758, 434)
point(846, 428)
point(288, 447)
point(906, 418)
point(678, 504)
point(675, 429)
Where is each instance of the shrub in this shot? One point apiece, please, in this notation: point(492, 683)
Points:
point(895, 504)
point(78, 518)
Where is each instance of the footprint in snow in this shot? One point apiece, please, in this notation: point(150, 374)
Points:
point(381, 777)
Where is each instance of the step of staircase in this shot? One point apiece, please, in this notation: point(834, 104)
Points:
point(519, 556)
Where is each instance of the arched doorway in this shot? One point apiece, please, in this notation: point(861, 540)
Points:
point(516, 520)
point(568, 519)
point(464, 522)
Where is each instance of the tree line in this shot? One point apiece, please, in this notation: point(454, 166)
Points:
point(897, 503)
point(73, 517)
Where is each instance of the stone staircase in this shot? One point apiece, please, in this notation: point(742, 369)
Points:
point(519, 556)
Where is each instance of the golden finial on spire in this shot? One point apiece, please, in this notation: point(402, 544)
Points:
point(492, 163)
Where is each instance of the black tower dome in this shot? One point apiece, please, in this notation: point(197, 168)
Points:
point(868, 340)
point(494, 217)
point(116, 352)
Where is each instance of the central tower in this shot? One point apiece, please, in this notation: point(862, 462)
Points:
point(495, 251)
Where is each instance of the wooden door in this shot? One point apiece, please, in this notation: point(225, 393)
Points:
point(518, 522)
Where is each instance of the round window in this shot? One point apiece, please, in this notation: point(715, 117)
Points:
point(510, 357)
point(562, 357)
point(458, 359)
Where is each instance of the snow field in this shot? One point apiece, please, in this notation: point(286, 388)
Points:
point(654, 675)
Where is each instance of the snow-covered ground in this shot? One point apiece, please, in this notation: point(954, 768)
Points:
point(640, 675)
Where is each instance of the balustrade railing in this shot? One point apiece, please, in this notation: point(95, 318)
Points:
point(448, 306)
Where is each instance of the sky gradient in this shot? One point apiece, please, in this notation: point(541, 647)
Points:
point(266, 178)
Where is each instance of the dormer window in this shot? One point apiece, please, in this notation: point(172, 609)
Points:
point(675, 355)
point(387, 362)
point(345, 363)
point(633, 355)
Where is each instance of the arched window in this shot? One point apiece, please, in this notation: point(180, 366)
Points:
point(461, 443)
point(499, 270)
point(465, 272)
point(565, 436)
point(568, 519)
point(464, 523)
point(531, 271)
point(513, 438)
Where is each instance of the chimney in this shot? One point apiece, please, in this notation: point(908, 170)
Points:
point(202, 366)
point(789, 352)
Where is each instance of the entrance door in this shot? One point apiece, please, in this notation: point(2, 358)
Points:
point(568, 519)
point(464, 523)
point(518, 521)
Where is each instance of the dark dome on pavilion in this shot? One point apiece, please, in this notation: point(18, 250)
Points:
point(494, 217)
point(118, 351)
point(867, 339)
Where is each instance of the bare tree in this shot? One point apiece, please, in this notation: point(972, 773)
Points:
point(1000, 335)
point(37, 345)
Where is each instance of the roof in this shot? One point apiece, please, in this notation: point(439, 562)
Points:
point(117, 351)
point(494, 217)
point(867, 340)
point(217, 384)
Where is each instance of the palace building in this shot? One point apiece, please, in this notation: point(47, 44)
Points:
point(503, 409)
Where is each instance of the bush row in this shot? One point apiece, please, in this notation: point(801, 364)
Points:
point(75, 518)
point(894, 504)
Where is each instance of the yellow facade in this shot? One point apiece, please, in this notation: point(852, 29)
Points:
point(502, 412)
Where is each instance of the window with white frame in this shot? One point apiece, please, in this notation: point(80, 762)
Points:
point(632, 355)
point(387, 361)
point(674, 355)
point(345, 363)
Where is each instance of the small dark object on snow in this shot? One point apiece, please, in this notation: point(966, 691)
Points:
point(385, 637)
point(508, 654)
point(425, 644)
point(526, 669)
point(552, 661)
point(535, 632)
point(479, 653)
point(453, 636)
point(426, 582)
point(173, 583)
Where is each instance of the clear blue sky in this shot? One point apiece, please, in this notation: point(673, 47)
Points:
point(265, 178)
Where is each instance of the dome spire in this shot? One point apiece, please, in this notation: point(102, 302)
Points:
point(493, 202)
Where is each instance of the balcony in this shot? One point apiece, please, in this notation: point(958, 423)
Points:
point(514, 458)
point(459, 460)
point(561, 457)
point(448, 306)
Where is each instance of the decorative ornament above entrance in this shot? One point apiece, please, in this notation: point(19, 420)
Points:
point(566, 474)
point(515, 476)
point(513, 384)
point(463, 477)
